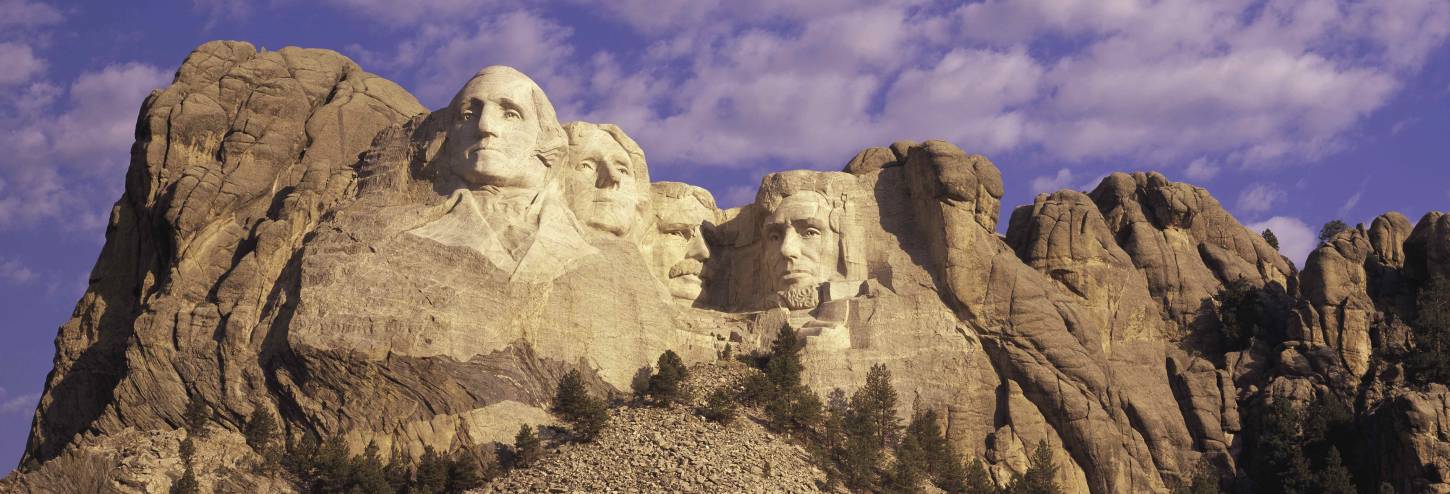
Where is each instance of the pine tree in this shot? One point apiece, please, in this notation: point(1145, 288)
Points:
point(861, 454)
point(196, 414)
point(1039, 476)
point(727, 353)
point(187, 484)
point(368, 473)
point(1202, 480)
point(263, 437)
point(877, 402)
point(432, 474)
point(585, 414)
point(834, 426)
point(1429, 362)
point(942, 465)
point(910, 467)
point(1272, 239)
point(665, 386)
point(1278, 464)
point(527, 447)
point(978, 481)
point(1333, 477)
point(463, 474)
point(784, 367)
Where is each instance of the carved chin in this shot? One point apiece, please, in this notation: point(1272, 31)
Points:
point(685, 288)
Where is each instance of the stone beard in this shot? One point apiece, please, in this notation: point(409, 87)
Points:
point(606, 180)
point(802, 248)
point(675, 244)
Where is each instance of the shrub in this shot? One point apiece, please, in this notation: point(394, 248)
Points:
point(666, 385)
point(978, 481)
point(585, 414)
point(1330, 229)
point(1038, 479)
point(1272, 239)
point(719, 407)
point(1428, 362)
point(527, 447)
point(187, 484)
point(196, 414)
point(1245, 312)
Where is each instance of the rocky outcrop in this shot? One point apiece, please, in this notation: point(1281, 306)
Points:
point(234, 164)
point(300, 236)
point(1185, 243)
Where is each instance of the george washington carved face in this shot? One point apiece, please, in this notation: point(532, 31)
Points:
point(503, 131)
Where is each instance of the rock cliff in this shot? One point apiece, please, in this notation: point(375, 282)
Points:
point(302, 237)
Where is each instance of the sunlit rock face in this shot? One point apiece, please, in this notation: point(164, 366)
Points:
point(302, 237)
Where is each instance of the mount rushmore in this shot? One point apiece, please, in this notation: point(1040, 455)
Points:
point(303, 237)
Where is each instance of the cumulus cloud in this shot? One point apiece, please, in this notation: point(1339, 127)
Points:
point(1201, 169)
point(13, 271)
point(23, 14)
point(22, 403)
point(1213, 85)
point(18, 64)
point(1296, 239)
point(1052, 183)
point(1260, 197)
point(64, 163)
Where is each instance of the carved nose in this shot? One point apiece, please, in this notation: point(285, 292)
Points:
point(608, 178)
point(790, 244)
point(488, 124)
point(697, 249)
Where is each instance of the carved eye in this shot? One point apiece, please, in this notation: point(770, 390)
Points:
point(811, 232)
point(678, 233)
point(512, 115)
point(466, 115)
point(586, 165)
point(774, 236)
point(621, 170)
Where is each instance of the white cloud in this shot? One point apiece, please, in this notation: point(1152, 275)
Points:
point(1223, 84)
point(1353, 200)
point(22, 403)
point(20, 13)
point(18, 64)
point(1260, 197)
point(1052, 183)
point(1296, 239)
point(15, 272)
point(1201, 169)
point(65, 163)
point(99, 127)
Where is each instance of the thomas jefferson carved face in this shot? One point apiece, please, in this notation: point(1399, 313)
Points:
point(501, 131)
point(676, 245)
point(605, 179)
point(801, 247)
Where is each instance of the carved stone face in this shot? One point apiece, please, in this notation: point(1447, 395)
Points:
point(801, 249)
point(676, 244)
point(602, 183)
point(495, 132)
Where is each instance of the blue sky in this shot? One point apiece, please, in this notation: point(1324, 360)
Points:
point(1292, 112)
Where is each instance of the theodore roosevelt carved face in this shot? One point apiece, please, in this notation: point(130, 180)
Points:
point(675, 244)
point(503, 132)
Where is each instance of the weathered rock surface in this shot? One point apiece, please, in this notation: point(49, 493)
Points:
point(300, 236)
